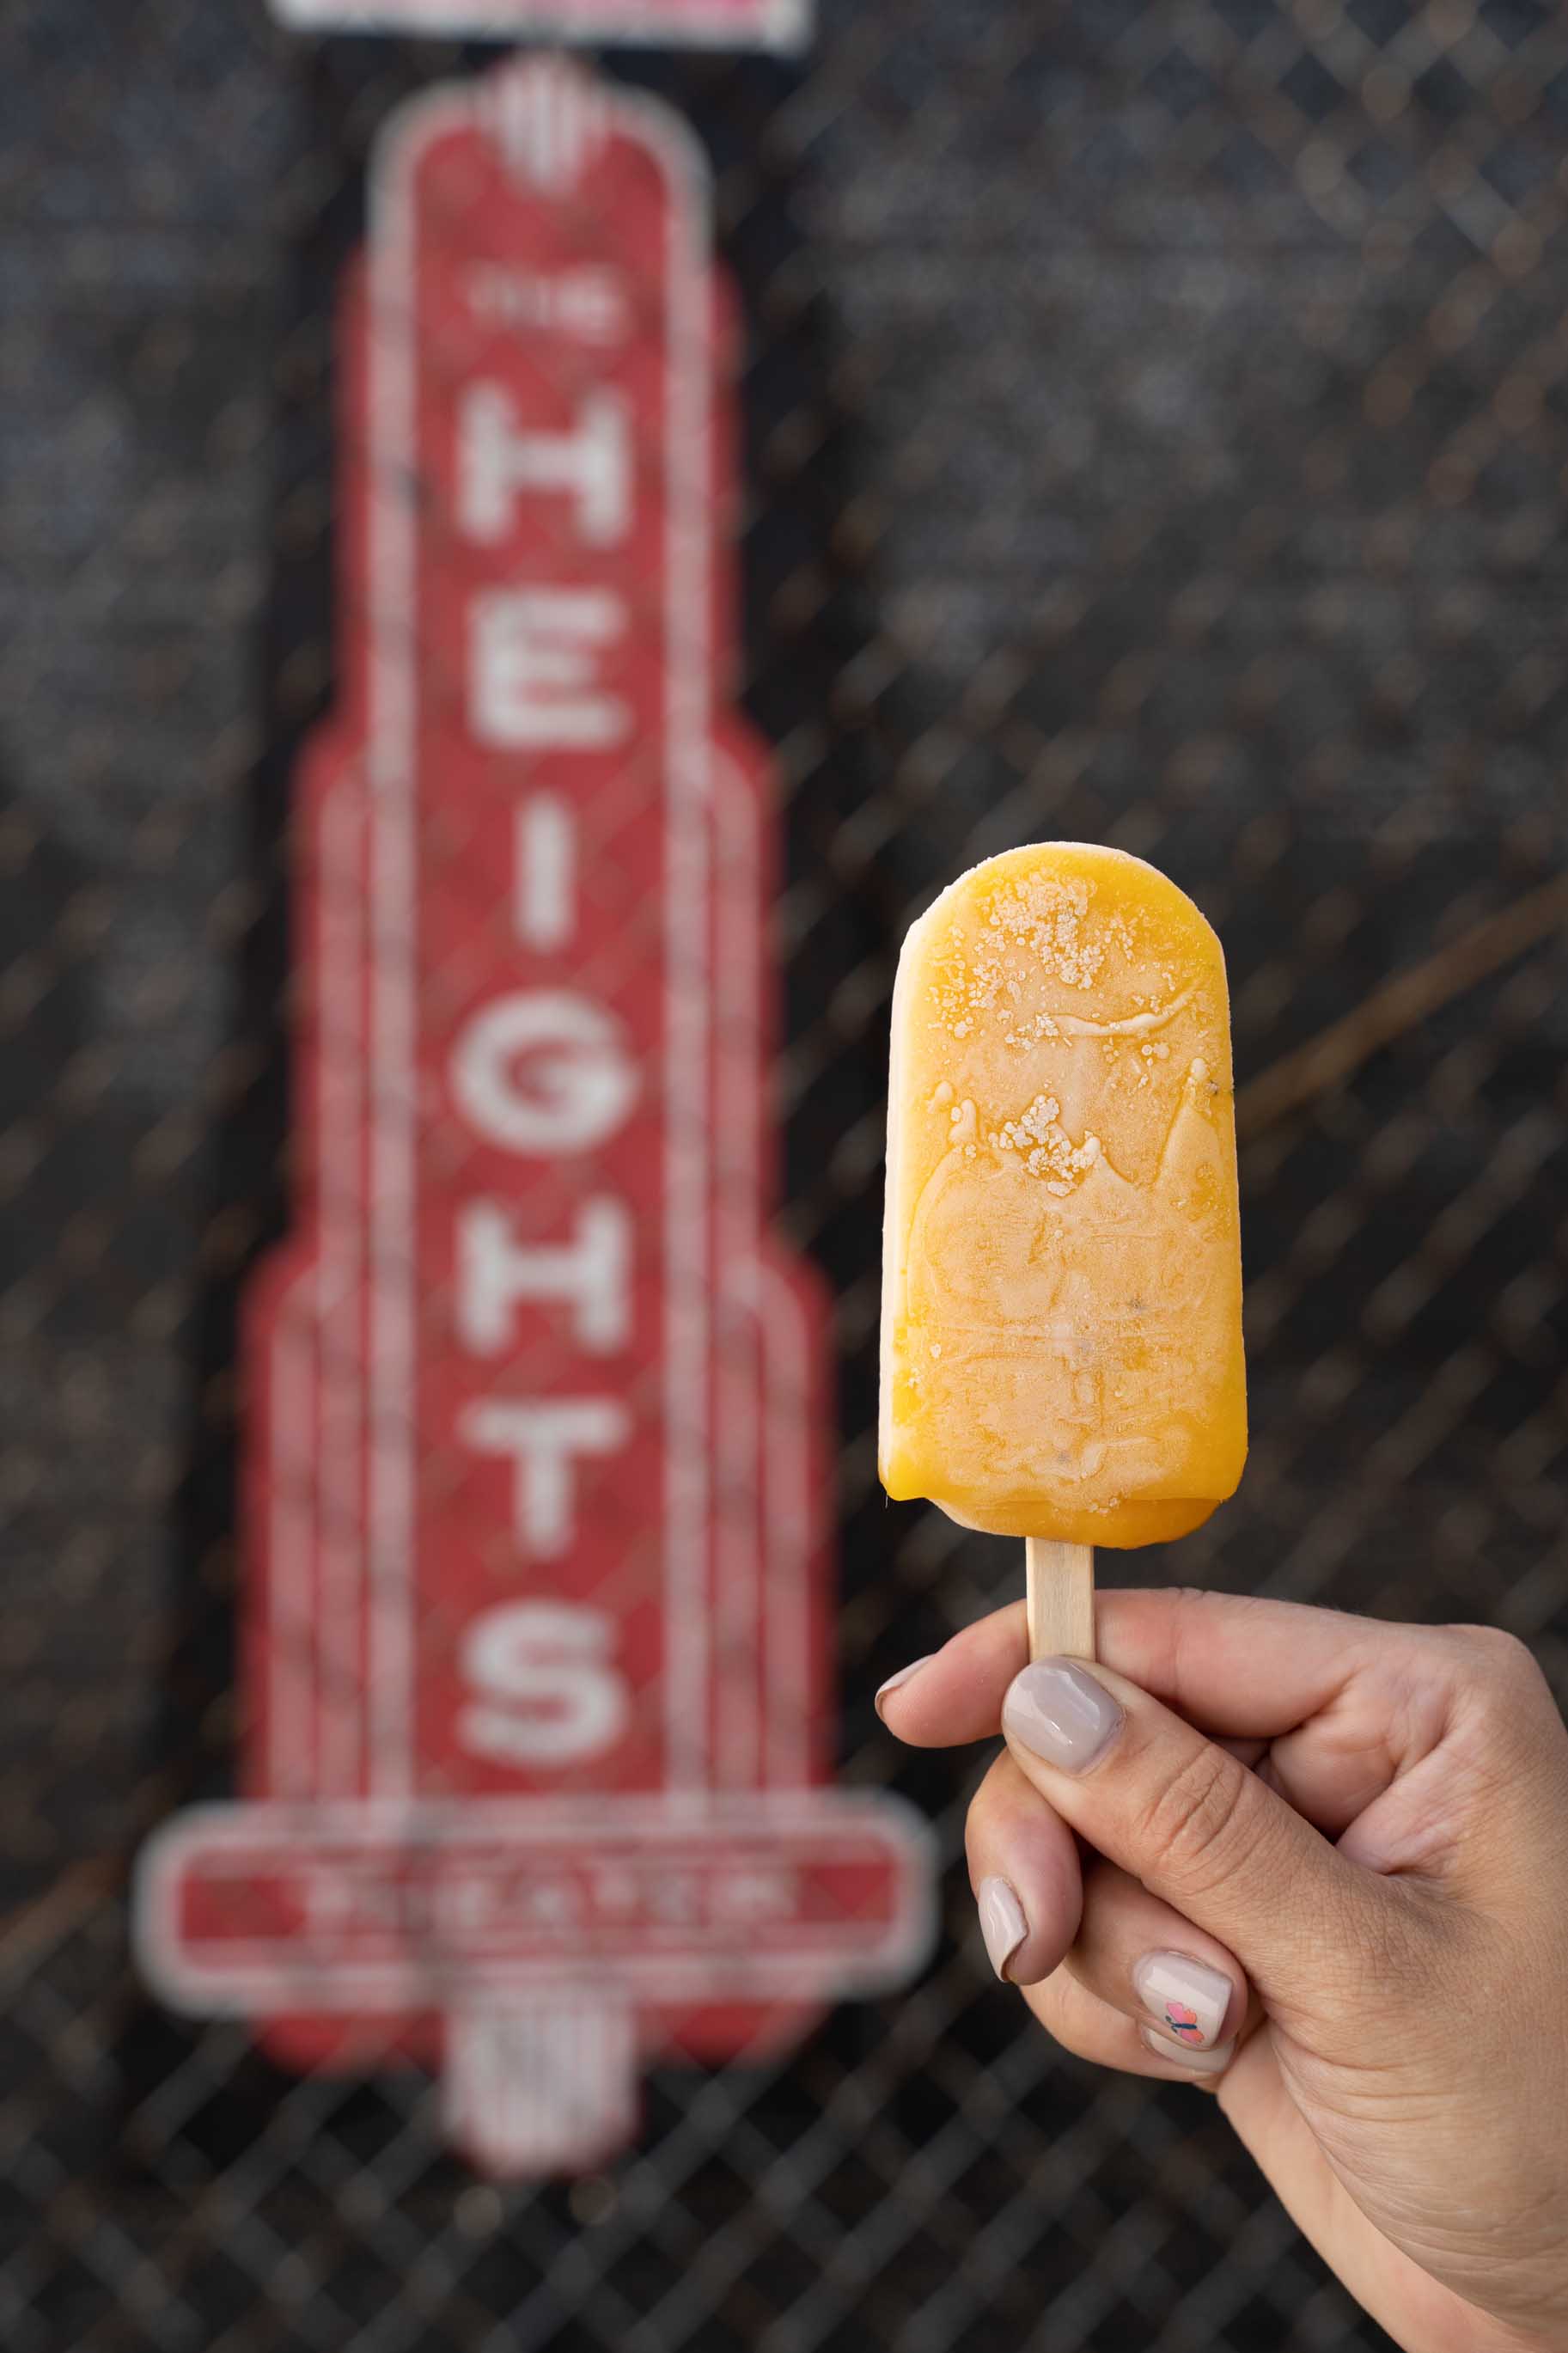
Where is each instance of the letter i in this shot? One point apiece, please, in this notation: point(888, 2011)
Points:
point(544, 877)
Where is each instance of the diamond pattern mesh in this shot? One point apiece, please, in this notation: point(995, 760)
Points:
point(1157, 431)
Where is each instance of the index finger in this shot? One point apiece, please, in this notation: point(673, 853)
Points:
point(1235, 1666)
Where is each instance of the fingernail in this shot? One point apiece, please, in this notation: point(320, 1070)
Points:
point(1002, 1922)
point(901, 1677)
point(1057, 1708)
point(1188, 1998)
point(1195, 2063)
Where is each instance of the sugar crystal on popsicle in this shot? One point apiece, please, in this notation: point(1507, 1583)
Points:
point(1061, 1316)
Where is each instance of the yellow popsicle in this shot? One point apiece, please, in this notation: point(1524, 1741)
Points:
point(1061, 1303)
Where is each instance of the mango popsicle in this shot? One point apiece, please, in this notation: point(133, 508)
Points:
point(1061, 1309)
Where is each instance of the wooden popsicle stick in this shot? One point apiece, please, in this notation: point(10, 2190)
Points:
point(1059, 1581)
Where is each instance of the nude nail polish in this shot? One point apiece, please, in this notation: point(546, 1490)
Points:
point(902, 1676)
point(1002, 1922)
point(1186, 1998)
point(1195, 2063)
point(1057, 1708)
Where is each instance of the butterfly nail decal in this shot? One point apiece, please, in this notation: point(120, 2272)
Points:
point(1183, 2021)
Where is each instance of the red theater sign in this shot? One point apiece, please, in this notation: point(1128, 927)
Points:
point(535, 1659)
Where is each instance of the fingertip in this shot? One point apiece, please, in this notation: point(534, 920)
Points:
point(1062, 1712)
point(1205, 2067)
point(918, 1705)
point(953, 1696)
point(1194, 2006)
point(1003, 1927)
point(895, 1682)
point(1014, 1840)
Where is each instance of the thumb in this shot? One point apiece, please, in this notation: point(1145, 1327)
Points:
point(1185, 1816)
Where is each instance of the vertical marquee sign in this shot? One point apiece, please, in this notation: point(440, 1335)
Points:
point(535, 1663)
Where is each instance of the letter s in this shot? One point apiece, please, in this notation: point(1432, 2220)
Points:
point(544, 1691)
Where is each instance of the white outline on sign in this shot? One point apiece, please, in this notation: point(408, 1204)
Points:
point(340, 1598)
point(738, 1603)
point(780, 24)
point(293, 1527)
point(788, 1341)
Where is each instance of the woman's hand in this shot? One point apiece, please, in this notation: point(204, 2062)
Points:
point(1324, 1872)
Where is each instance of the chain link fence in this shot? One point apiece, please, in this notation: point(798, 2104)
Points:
point(1156, 431)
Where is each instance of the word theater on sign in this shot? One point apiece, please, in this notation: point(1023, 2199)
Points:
point(536, 1660)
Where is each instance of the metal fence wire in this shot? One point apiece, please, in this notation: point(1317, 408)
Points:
point(1156, 431)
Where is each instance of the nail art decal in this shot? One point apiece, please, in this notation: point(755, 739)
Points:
point(1188, 1999)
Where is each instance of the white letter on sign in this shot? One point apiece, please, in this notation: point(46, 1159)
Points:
point(583, 1085)
point(543, 1439)
point(546, 1693)
point(495, 461)
point(544, 858)
point(532, 669)
point(592, 1271)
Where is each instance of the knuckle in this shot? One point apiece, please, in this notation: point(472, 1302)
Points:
point(1511, 1655)
point(1200, 1820)
point(1504, 1668)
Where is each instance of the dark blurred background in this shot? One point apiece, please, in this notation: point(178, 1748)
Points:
point(1157, 430)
